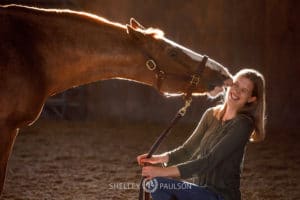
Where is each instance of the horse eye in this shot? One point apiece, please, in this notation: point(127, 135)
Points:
point(172, 53)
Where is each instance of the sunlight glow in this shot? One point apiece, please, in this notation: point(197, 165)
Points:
point(167, 94)
point(156, 33)
point(93, 16)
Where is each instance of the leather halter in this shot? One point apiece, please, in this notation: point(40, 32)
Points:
point(161, 75)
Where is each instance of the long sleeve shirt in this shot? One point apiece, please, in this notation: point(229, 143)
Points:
point(214, 154)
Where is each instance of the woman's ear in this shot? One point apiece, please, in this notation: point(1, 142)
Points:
point(251, 99)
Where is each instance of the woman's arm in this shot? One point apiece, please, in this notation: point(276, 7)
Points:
point(155, 159)
point(185, 151)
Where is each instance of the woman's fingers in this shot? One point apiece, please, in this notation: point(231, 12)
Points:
point(147, 160)
point(151, 171)
point(155, 159)
point(140, 157)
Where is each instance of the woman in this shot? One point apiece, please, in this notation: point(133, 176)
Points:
point(213, 154)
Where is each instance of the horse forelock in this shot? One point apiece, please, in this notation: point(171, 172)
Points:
point(155, 32)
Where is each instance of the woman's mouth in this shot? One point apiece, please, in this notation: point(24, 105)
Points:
point(234, 97)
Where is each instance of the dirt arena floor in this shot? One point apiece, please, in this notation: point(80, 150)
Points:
point(90, 161)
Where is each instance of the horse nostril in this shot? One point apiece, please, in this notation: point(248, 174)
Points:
point(211, 87)
point(172, 53)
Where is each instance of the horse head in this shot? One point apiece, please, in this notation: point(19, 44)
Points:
point(177, 68)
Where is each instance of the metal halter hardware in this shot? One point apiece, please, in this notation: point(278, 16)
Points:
point(195, 79)
point(187, 104)
point(151, 65)
point(161, 75)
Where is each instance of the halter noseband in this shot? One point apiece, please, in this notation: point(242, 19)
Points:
point(161, 75)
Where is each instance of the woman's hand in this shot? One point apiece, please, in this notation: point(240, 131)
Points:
point(155, 159)
point(150, 172)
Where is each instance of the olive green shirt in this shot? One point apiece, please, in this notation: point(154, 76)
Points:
point(214, 153)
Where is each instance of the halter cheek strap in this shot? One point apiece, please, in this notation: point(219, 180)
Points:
point(162, 75)
point(195, 78)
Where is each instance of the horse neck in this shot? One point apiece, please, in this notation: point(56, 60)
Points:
point(78, 50)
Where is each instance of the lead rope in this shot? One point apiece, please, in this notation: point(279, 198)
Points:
point(181, 112)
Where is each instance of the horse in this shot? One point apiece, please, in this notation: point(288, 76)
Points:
point(47, 51)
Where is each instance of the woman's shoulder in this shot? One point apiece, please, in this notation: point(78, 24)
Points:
point(209, 112)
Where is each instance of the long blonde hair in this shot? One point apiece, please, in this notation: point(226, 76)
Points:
point(256, 110)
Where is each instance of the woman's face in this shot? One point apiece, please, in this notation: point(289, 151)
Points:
point(240, 92)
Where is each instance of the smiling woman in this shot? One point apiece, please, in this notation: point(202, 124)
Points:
point(214, 153)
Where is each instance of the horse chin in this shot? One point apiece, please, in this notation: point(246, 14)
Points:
point(197, 94)
point(167, 94)
point(213, 94)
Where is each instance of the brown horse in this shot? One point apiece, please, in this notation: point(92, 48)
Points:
point(46, 51)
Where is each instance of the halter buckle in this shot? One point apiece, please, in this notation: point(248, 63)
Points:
point(151, 65)
point(195, 79)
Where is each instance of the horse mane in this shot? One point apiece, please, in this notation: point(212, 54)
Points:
point(154, 32)
point(82, 14)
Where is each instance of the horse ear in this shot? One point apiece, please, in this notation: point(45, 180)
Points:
point(135, 24)
point(133, 32)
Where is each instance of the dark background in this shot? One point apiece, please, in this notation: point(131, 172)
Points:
point(259, 34)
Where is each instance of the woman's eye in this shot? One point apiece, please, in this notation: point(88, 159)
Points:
point(245, 91)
